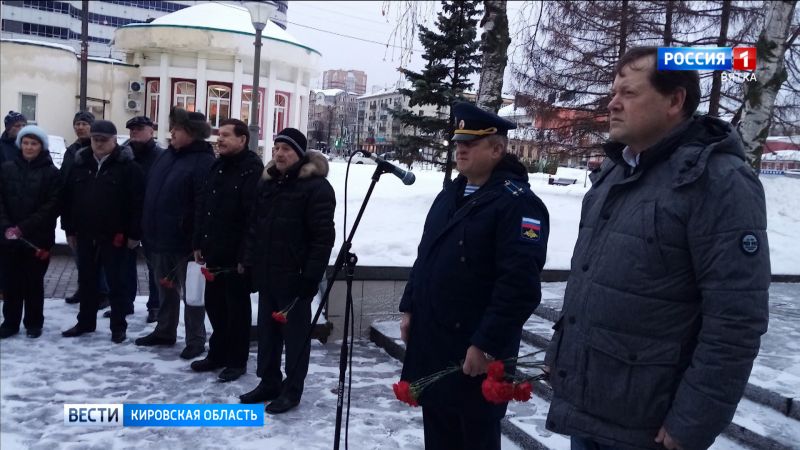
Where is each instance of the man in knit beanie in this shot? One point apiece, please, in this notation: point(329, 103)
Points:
point(13, 122)
point(287, 249)
point(81, 124)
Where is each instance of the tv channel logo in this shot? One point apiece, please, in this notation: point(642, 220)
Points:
point(744, 58)
point(85, 414)
point(707, 58)
point(163, 415)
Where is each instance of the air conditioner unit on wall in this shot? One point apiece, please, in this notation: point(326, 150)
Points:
point(133, 105)
point(135, 87)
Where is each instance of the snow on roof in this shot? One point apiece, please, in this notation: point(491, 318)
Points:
point(789, 139)
point(221, 16)
point(512, 111)
point(107, 60)
point(42, 44)
point(329, 92)
point(782, 155)
point(387, 91)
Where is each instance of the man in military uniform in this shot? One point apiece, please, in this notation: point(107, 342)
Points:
point(475, 282)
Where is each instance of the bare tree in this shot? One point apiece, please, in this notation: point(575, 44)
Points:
point(771, 73)
point(495, 40)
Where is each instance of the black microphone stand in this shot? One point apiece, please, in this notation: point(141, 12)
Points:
point(348, 260)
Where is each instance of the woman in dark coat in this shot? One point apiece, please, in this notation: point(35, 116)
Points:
point(30, 186)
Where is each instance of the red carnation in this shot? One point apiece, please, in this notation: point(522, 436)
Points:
point(404, 393)
point(119, 240)
point(487, 389)
point(43, 255)
point(283, 315)
point(497, 391)
point(279, 317)
point(207, 274)
point(522, 391)
point(496, 370)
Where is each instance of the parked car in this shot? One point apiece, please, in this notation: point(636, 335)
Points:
point(361, 159)
point(57, 149)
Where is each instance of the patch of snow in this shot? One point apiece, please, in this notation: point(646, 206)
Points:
point(782, 155)
point(42, 43)
point(39, 376)
point(107, 60)
point(512, 111)
point(391, 228)
point(328, 92)
point(222, 16)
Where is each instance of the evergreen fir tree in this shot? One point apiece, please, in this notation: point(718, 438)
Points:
point(451, 56)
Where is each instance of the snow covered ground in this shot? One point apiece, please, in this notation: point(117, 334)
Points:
point(38, 376)
point(392, 225)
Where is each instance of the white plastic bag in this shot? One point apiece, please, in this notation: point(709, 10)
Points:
point(195, 285)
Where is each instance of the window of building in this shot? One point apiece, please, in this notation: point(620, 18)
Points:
point(27, 106)
point(218, 104)
point(281, 112)
point(183, 94)
point(151, 100)
point(247, 102)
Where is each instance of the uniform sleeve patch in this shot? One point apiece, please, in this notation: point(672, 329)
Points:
point(531, 229)
point(749, 244)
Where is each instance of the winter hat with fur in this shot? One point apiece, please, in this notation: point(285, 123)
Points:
point(295, 138)
point(34, 132)
point(194, 123)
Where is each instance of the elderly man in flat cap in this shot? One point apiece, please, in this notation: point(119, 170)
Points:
point(474, 284)
point(102, 219)
point(145, 152)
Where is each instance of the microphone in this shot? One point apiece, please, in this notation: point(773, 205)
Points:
point(405, 176)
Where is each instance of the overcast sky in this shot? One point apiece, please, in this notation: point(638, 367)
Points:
point(320, 24)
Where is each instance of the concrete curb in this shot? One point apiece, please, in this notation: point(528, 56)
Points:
point(392, 273)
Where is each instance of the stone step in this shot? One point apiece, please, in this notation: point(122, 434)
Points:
point(754, 425)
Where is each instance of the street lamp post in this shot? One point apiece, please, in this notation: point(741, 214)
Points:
point(260, 13)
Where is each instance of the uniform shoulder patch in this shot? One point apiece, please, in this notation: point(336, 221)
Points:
point(749, 243)
point(530, 229)
point(515, 189)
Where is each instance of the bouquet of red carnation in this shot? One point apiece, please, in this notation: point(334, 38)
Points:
point(210, 273)
point(119, 240)
point(500, 387)
point(282, 316)
point(410, 392)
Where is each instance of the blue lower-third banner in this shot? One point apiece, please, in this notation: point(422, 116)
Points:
point(183, 415)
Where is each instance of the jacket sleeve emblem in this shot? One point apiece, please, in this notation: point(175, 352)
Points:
point(531, 229)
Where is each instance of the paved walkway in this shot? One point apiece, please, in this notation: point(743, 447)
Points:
point(61, 279)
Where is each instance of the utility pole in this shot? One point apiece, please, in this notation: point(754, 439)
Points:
point(84, 51)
